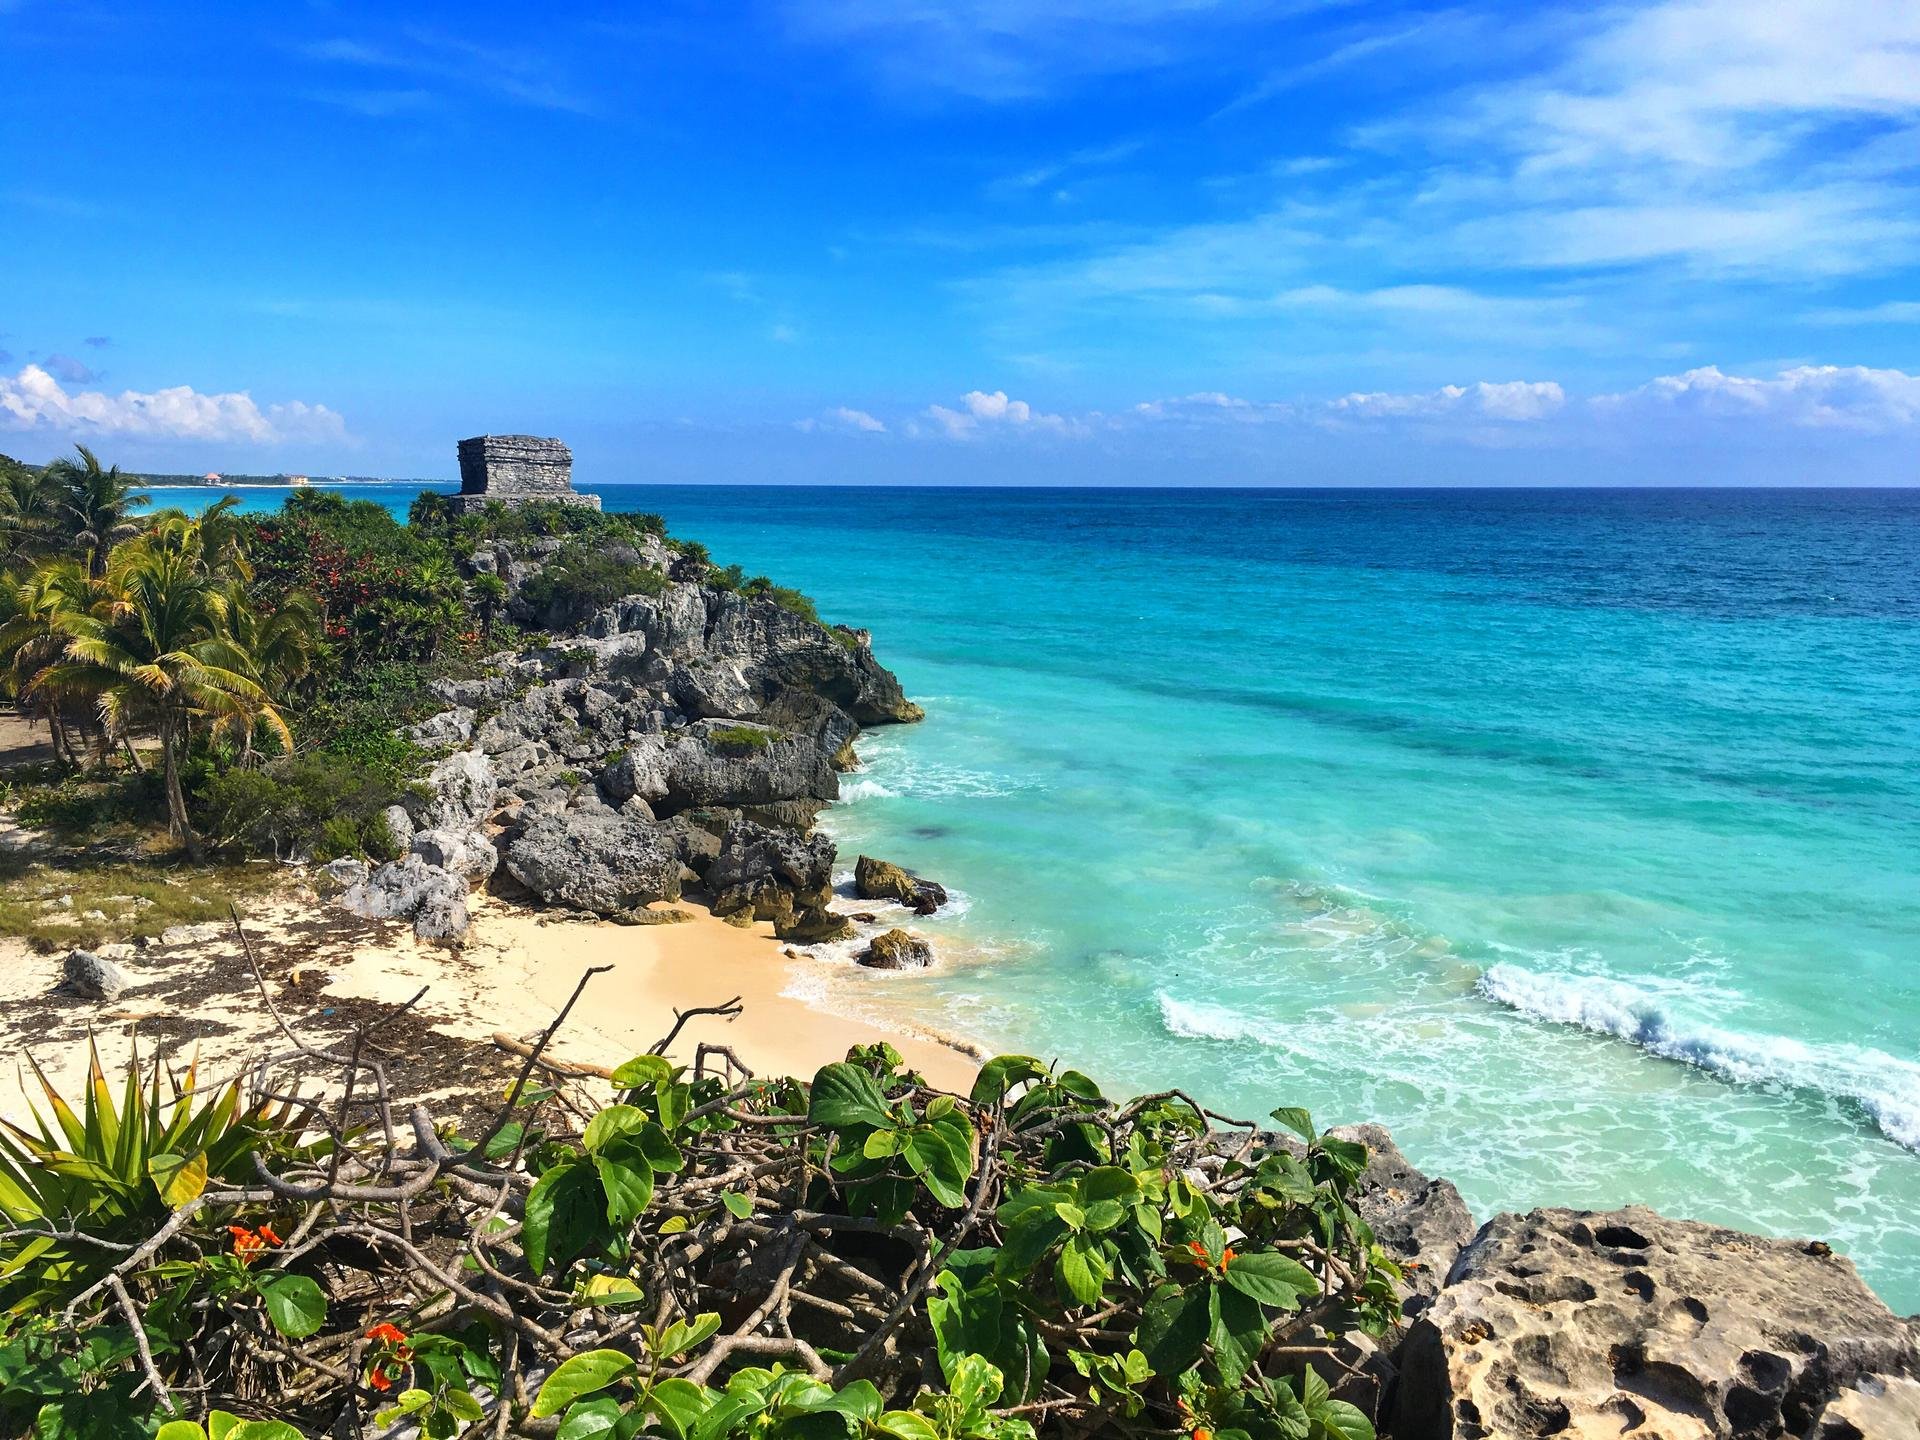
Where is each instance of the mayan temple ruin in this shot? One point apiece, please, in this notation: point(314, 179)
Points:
point(516, 469)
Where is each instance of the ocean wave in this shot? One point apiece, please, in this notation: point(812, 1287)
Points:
point(851, 790)
point(1197, 1020)
point(1885, 1089)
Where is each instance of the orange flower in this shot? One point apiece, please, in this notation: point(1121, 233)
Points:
point(265, 1232)
point(1199, 1251)
point(246, 1244)
point(379, 1379)
point(1202, 1433)
point(388, 1334)
point(1227, 1258)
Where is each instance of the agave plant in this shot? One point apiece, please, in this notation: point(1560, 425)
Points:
point(90, 1185)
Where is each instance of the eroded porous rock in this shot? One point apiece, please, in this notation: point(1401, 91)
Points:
point(712, 762)
point(1420, 1221)
point(896, 950)
point(92, 978)
point(603, 862)
point(449, 727)
point(813, 925)
point(469, 854)
point(883, 880)
point(411, 889)
point(769, 873)
point(461, 789)
point(1577, 1323)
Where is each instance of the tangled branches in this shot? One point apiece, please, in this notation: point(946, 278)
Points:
point(708, 1255)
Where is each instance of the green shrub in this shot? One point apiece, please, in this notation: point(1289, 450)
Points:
point(322, 805)
point(583, 578)
point(741, 739)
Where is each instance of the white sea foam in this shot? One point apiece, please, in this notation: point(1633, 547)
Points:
point(851, 790)
point(1887, 1090)
point(1197, 1020)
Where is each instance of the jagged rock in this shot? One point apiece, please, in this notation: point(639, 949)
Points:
point(462, 789)
point(340, 874)
point(449, 727)
point(1422, 1222)
point(399, 825)
point(92, 978)
point(193, 934)
point(768, 872)
point(640, 770)
point(468, 854)
point(403, 889)
point(715, 763)
point(1873, 1406)
point(882, 880)
point(1564, 1322)
point(897, 950)
point(602, 862)
point(812, 925)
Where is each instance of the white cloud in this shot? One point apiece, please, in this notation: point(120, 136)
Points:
point(845, 418)
point(1824, 397)
point(34, 400)
point(1517, 400)
point(994, 410)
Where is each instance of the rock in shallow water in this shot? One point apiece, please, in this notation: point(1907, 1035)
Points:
point(883, 880)
point(1565, 1322)
point(897, 950)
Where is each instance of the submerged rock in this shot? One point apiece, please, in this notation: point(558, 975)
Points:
point(92, 978)
point(897, 950)
point(883, 880)
point(1565, 1322)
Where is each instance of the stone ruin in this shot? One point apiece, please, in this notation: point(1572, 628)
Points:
point(516, 469)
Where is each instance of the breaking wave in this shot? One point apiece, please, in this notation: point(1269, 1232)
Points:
point(1885, 1089)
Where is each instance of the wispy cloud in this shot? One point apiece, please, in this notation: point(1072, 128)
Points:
point(843, 418)
point(1818, 397)
point(985, 412)
point(69, 370)
point(519, 74)
point(35, 401)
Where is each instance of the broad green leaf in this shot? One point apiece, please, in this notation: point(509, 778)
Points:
point(582, 1375)
point(613, 1120)
point(264, 1430)
point(907, 1425)
point(683, 1335)
point(1081, 1270)
point(505, 1141)
point(643, 1070)
point(1073, 1216)
point(881, 1144)
point(1271, 1278)
point(1348, 1422)
point(564, 1211)
point(612, 1290)
point(294, 1304)
point(679, 1403)
point(1296, 1119)
point(1314, 1391)
point(1238, 1331)
point(627, 1178)
point(1173, 1328)
point(739, 1206)
point(844, 1094)
point(859, 1400)
point(589, 1418)
point(180, 1430)
point(222, 1423)
point(1001, 1074)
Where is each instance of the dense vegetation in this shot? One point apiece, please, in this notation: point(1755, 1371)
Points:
point(707, 1257)
point(197, 642)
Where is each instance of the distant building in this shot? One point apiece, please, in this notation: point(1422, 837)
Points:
point(516, 469)
point(213, 477)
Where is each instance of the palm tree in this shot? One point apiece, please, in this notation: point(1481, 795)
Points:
point(157, 646)
point(31, 513)
point(32, 640)
point(489, 593)
point(98, 504)
point(281, 645)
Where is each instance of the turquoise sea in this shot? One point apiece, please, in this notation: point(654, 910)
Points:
point(1573, 834)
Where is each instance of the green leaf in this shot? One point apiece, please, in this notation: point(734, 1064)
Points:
point(1072, 1214)
point(739, 1206)
point(1238, 1331)
point(1271, 1278)
point(1001, 1074)
point(1173, 1328)
point(462, 1405)
point(881, 1144)
point(659, 1148)
point(627, 1178)
point(1350, 1156)
point(180, 1430)
point(222, 1423)
point(906, 1425)
point(588, 1418)
point(1082, 1270)
point(613, 1120)
point(1296, 1119)
point(683, 1335)
point(844, 1094)
point(563, 1213)
point(505, 1142)
point(643, 1070)
point(294, 1304)
point(679, 1403)
point(1348, 1422)
point(859, 1400)
point(582, 1375)
point(1314, 1391)
point(264, 1430)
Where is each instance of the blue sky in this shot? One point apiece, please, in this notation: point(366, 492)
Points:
point(1135, 241)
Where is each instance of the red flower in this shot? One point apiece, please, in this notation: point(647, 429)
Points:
point(246, 1244)
point(388, 1334)
point(1226, 1258)
point(265, 1232)
point(379, 1379)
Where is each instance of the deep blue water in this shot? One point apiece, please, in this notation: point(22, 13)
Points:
point(1573, 834)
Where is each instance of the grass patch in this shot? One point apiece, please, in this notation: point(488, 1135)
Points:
point(741, 739)
point(54, 906)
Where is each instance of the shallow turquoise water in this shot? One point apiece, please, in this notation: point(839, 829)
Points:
point(1573, 835)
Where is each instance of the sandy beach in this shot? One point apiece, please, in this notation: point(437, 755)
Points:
point(329, 972)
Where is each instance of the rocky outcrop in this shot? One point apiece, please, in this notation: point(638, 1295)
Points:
point(603, 862)
point(896, 950)
point(468, 854)
point(733, 763)
point(813, 925)
point(411, 889)
point(769, 873)
point(1420, 1221)
point(461, 790)
point(1564, 1322)
point(882, 880)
